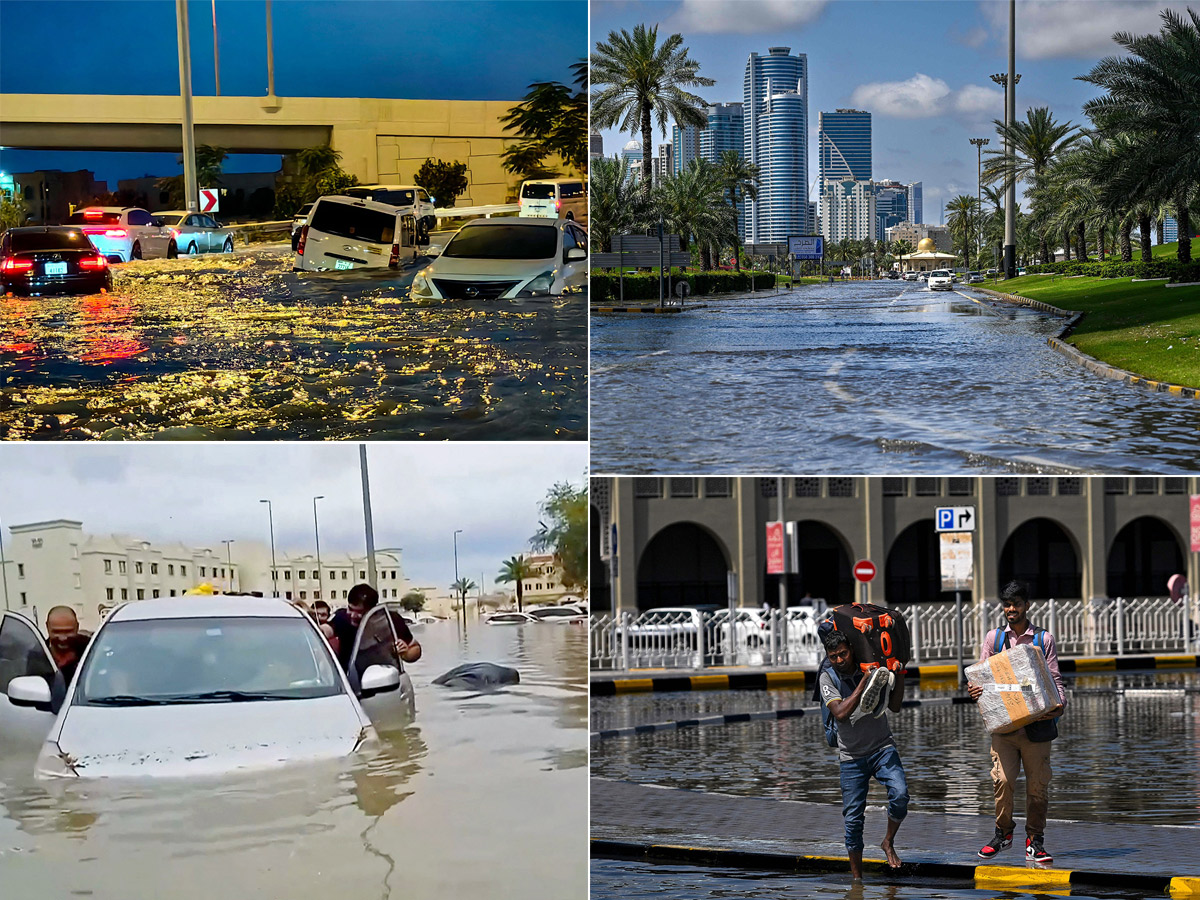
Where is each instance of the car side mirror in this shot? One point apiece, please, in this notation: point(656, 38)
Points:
point(31, 691)
point(377, 680)
point(576, 254)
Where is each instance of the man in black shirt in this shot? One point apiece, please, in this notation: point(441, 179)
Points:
point(362, 599)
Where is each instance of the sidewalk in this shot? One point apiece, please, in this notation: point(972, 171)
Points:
point(646, 821)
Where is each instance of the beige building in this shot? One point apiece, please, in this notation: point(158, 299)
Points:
point(926, 259)
point(915, 233)
point(296, 576)
point(544, 586)
point(678, 539)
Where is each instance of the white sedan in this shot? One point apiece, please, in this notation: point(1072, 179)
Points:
point(509, 618)
point(507, 258)
point(191, 686)
point(941, 280)
point(559, 615)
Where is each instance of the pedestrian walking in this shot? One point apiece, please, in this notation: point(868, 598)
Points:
point(1028, 747)
point(856, 705)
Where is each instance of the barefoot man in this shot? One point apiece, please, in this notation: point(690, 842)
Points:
point(866, 748)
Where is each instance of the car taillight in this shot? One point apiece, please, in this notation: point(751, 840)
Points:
point(394, 260)
point(300, 243)
point(93, 262)
point(116, 233)
point(175, 232)
point(18, 265)
point(558, 204)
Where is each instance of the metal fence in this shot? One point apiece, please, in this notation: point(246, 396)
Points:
point(694, 639)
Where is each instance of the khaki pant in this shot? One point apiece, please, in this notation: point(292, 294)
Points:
point(1009, 752)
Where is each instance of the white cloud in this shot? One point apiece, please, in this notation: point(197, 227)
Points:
point(1048, 29)
point(923, 96)
point(744, 16)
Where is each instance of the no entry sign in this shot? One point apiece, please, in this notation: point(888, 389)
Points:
point(208, 199)
point(864, 570)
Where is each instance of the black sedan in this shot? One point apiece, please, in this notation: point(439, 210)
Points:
point(51, 259)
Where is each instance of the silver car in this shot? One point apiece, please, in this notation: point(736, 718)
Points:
point(191, 686)
point(191, 233)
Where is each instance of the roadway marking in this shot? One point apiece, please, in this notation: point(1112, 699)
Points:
point(633, 685)
point(1012, 876)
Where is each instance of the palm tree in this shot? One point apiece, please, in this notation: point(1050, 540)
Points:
point(516, 569)
point(552, 119)
point(963, 212)
point(640, 79)
point(314, 161)
point(741, 178)
point(692, 205)
point(462, 587)
point(618, 206)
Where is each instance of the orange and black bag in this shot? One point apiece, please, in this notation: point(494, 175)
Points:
point(878, 635)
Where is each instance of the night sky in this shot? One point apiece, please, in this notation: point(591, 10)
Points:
point(414, 49)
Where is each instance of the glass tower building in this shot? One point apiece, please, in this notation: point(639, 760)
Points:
point(844, 145)
point(914, 203)
point(685, 143)
point(775, 119)
point(725, 131)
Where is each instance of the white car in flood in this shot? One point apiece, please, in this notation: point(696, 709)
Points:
point(941, 280)
point(507, 258)
point(193, 686)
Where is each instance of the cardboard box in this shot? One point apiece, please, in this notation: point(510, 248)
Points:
point(1017, 688)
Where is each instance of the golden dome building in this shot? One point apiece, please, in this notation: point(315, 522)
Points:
point(927, 258)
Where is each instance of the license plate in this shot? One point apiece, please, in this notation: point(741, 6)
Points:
point(56, 268)
point(343, 264)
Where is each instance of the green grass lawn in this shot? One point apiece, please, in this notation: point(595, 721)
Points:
point(1144, 327)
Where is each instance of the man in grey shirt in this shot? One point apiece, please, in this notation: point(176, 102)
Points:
point(866, 748)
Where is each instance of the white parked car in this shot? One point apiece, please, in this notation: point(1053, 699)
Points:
point(510, 618)
point(191, 686)
point(941, 280)
point(975, 278)
point(555, 198)
point(558, 615)
point(911, 276)
point(121, 233)
point(345, 233)
point(408, 197)
point(507, 259)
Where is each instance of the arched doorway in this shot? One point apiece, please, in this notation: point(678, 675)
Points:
point(599, 588)
point(823, 569)
point(1144, 555)
point(683, 565)
point(1041, 554)
point(914, 569)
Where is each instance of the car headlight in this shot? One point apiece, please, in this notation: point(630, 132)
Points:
point(421, 286)
point(540, 285)
point(53, 763)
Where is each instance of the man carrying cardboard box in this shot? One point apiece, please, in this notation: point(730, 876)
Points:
point(1028, 746)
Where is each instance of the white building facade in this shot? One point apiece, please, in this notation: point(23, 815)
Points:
point(848, 210)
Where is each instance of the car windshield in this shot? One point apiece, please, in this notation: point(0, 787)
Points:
point(384, 195)
point(94, 217)
point(348, 221)
point(500, 241)
point(206, 660)
point(32, 241)
point(537, 192)
point(170, 219)
point(939, 274)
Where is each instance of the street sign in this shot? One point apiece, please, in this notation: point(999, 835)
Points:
point(958, 568)
point(806, 246)
point(209, 199)
point(955, 518)
point(1195, 522)
point(864, 570)
point(775, 556)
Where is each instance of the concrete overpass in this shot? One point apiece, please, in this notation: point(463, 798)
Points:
point(380, 140)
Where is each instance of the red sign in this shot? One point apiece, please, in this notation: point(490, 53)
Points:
point(774, 548)
point(864, 570)
point(208, 199)
point(1195, 519)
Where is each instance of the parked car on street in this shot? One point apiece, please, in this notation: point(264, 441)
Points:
point(558, 615)
point(192, 686)
point(554, 198)
point(51, 259)
point(510, 618)
point(352, 233)
point(911, 276)
point(410, 197)
point(975, 278)
point(507, 259)
point(941, 280)
point(668, 636)
point(120, 233)
point(191, 233)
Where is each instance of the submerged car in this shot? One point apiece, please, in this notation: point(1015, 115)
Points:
point(188, 686)
point(507, 259)
point(51, 259)
point(191, 233)
point(559, 615)
point(345, 233)
point(120, 233)
point(509, 618)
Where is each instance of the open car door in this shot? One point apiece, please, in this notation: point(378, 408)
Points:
point(377, 674)
point(23, 654)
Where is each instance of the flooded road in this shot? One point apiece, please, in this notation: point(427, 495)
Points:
point(868, 377)
point(451, 805)
point(239, 346)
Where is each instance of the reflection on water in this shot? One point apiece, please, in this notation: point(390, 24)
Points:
point(448, 805)
point(242, 347)
point(1149, 738)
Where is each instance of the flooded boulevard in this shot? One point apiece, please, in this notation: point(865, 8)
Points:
point(239, 346)
point(868, 377)
point(451, 805)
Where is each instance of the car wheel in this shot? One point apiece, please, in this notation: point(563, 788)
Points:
point(191, 250)
point(228, 245)
point(172, 250)
point(136, 252)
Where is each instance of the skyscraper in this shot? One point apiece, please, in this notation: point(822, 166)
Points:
point(775, 115)
point(663, 161)
point(848, 210)
point(914, 203)
point(685, 142)
point(595, 145)
point(726, 131)
point(844, 145)
point(891, 206)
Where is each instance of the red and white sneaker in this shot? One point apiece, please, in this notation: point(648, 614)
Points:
point(1035, 851)
point(1000, 841)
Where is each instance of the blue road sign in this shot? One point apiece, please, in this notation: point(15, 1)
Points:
point(945, 518)
point(806, 246)
point(955, 518)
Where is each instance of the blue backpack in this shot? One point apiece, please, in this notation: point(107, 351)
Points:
point(1039, 640)
point(1040, 732)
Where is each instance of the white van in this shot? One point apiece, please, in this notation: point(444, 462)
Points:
point(410, 197)
point(555, 198)
point(351, 233)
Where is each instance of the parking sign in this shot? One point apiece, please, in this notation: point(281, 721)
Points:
point(955, 518)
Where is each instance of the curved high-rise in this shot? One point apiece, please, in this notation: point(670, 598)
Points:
point(775, 116)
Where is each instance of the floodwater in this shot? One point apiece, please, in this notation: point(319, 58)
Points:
point(453, 804)
point(867, 378)
point(239, 346)
point(1148, 736)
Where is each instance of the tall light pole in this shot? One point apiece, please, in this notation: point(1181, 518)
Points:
point(1010, 81)
point(317, 535)
point(4, 567)
point(274, 573)
point(191, 189)
point(228, 566)
point(270, 56)
point(370, 527)
point(979, 143)
point(458, 585)
point(216, 55)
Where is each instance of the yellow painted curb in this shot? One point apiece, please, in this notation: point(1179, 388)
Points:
point(786, 678)
point(936, 671)
point(1091, 665)
point(1184, 661)
point(633, 685)
point(1185, 887)
point(709, 682)
point(1013, 876)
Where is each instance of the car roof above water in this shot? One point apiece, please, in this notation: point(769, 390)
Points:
point(202, 606)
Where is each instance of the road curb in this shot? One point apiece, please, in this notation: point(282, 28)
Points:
point(981, 876)
point(1077, 356)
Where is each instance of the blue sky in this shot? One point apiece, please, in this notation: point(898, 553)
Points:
point(920, 68)
point(417, 49)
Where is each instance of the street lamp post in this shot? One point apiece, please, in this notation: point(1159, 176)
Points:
point(191, 189)
point(274, 573)
point(228, 566)
point(979, 143)
point(216, 55)
point(317, 535)
point(1010, 80)
point(4, 567)
point(462, 596)
point(368, 522)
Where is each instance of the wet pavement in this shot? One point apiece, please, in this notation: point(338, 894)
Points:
point(449, 806)
point(867, 378)
point(240, 347)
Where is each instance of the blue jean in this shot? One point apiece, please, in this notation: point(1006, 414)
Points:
point(883, 765)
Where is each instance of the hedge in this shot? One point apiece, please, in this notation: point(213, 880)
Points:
point(1156, 268)
point(606, 288)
